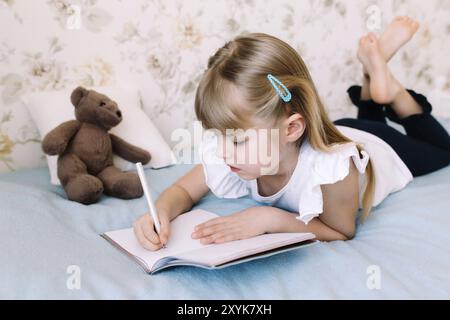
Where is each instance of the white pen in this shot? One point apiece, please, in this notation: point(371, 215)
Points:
point(153, 213)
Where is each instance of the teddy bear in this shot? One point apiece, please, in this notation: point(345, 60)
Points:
point(85, 151)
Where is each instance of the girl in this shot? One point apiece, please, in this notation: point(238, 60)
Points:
point(259, 82)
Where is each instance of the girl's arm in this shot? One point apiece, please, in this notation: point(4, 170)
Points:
point(258, 220)
point(337, 221)
point(184, 193)
point(340, 207)
point(279, 220)
point(176, 199)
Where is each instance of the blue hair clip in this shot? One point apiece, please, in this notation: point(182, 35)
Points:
point(286, 97)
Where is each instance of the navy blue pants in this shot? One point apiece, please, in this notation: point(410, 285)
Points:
point(426, 146)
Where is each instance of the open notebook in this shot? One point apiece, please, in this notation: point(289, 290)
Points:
point(181, 249)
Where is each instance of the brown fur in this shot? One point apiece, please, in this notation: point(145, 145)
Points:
point(85, 151)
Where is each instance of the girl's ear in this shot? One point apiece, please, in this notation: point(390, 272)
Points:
point(77, 94)
point(295, 127)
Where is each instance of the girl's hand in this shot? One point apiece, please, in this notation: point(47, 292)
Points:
point(146, 234)
point(237, 226)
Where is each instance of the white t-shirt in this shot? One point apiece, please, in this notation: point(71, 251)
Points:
point(302, 193)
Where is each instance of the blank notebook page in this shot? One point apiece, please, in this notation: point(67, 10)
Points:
point(180, 239)
point(182, 246)
point(228, 251)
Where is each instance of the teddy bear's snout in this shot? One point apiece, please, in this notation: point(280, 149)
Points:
point(114, 110)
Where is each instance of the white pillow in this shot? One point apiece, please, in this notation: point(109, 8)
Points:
point(48, 109)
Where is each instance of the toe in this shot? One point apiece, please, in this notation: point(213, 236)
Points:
point(363, 41)
point(372, 38)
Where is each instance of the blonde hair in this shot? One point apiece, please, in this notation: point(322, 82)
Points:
point(244, 63)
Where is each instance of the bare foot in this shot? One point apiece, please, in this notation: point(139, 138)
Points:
point(383, 87)
point(396, 35)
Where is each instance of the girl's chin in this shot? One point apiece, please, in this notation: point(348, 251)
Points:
point(246, 176)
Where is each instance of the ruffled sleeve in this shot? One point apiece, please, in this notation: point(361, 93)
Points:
point(328, 168)
point(222, 182)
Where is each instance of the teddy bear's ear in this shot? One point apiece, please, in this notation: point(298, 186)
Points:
point(77, 94)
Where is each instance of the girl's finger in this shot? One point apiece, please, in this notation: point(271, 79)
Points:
point(218, 235)
point(165, 230)
point(227, 238)
point(142, 239)
point(210, 223)
point(203, 232)
point(150, 234)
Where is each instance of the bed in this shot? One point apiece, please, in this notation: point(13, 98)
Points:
point(401, 252)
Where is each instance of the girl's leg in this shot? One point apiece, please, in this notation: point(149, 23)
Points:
point(419, 156)
point(426, 148)
point(395, 36)
point(405, 107)
point(367, 109)
point(365, 90)
point(403, 104)
point(419, 124)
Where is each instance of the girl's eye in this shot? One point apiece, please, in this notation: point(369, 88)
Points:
point(236, 143)
point(102, 104)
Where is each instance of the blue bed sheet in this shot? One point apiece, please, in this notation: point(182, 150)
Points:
point(405, 242)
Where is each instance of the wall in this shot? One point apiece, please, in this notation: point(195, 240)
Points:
point(162, 47)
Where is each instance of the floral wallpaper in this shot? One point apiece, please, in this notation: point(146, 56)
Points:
point(162, 47)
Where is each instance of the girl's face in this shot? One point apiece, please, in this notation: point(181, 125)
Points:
point(250, 153)
point(258, 151)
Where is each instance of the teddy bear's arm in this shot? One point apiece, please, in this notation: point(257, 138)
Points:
point(55, 142)
point(128, 151)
